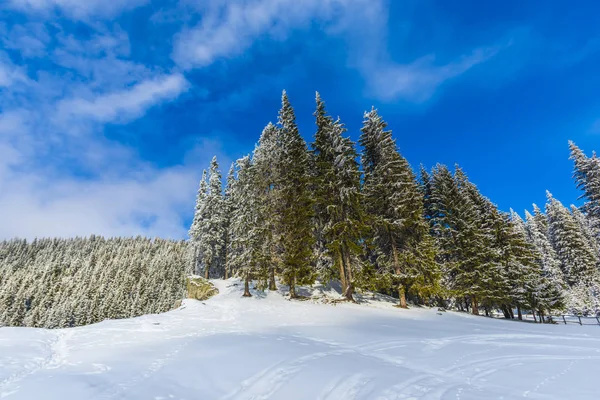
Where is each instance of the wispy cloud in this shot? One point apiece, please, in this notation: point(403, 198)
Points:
point(9, 73)
point(56, 183)
point(418, 81)
point(126, 104)
point(229, 28)
point(77, 8)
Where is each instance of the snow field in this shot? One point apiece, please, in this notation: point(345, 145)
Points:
point(267, 347)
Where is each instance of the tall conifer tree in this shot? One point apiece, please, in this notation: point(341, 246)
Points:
point(404, 255)
point(294, 201)
point(338, 198)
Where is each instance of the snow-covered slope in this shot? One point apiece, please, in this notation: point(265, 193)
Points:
point(267, 347)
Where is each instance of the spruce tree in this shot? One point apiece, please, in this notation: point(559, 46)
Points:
point(266, 164)
point(197, 229)
point(456, 223)
point(395, 207)
point(577, 257)
point(213, 233)
point(339, 211)
point(246, 228)
point(228, 208)
point(587, 177)
point(294, 201)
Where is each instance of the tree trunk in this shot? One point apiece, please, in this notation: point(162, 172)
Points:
point(206, 271)
point(247, 287)
point(533, 313)
point(343, 282)
point(398, 271)
point(520, 315)
point(487, 311)
point(349, 277)
point(272, 285)
point(293, 294)
point(226, 273)
point(541, 314)
point(474, 305)
point(505, 312)
point(402, 296)
point(512, 313)
point(467, 304)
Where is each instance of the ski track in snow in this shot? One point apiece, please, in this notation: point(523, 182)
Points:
point(229, 348)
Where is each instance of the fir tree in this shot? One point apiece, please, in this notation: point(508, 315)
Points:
point(338, 198)
point(294, 201)
point(246, 229)
point(266, 164)
point(196, 231)
point(574, 251)
point(587, 177)
point(228, 208)
point(213, 233)
point(395, 205)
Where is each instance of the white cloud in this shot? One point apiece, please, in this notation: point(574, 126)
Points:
point(229, 28)
point(78, 8)
point(151, 205)
point(125, 104)
point(418, 81)
point(10, 74)
point(56, 183)
point(130, 197)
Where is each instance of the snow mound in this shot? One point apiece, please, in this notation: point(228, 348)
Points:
point(267, 347)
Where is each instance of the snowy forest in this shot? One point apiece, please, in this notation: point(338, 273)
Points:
point(55, 283)
point(293, 213)
point(333, 210)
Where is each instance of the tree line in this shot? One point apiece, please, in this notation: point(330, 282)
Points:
point(57, 283)
point(332, 210)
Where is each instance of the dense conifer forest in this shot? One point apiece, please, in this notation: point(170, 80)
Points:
point(55, 283)
point(295, 213)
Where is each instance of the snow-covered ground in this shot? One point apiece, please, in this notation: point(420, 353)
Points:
point(267, 347)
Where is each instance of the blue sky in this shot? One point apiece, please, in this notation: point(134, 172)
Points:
point(109, 110)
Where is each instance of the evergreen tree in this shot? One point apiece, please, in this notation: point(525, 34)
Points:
point(574, 251)
point(213, 233)
point(266, 165)
point(246, 228)
point(547, 257)
point(464, 245)
point(228, 208)
point(196, 231)
point(395, 205)
point(587, 177)
point(338, 200)
point(293, 201)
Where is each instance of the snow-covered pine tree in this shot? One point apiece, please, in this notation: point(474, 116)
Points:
point(228, 208)
point(578, 259)
point(547, 258)
point(463, 245)
point(294, 201)
point(403, 255)
point(586, 227)
point(265, 161)
point(247, 230)
point(518, 259)
point(212, 238)
point(197, 229)
point(487, 281)
point(338, 199)
point(587, 177)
